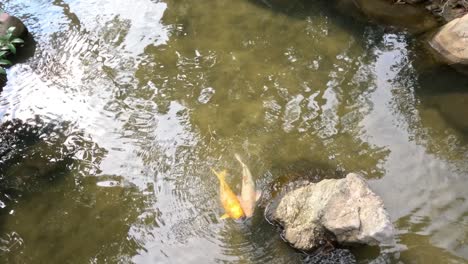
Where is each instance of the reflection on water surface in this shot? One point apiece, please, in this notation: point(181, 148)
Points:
point(167, 89)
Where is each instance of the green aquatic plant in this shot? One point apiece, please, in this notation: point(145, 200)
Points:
point(7, 46)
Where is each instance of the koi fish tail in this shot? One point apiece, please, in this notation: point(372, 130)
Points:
point(239, 159)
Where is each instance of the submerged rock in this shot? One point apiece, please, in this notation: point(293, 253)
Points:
point(451, 43)
point(415, 19)
point(452, 107)
point(344, 209)
point(34, 154)
point(26, 160)
point(7, 21)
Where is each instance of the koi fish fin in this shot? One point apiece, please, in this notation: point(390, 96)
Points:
point(224, 216)
point(221, 175)
point(258, 195)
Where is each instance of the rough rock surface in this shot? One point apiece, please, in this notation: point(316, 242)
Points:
point(7, 21)
point(447, 9)
point(345, 208)
point(451, 43)
point(336, 256)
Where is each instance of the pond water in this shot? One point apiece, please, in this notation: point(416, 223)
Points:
point(152, 94)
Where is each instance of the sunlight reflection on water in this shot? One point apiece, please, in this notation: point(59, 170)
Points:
point(166, 90)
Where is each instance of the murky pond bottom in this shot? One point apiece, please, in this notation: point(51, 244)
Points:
point(147, 96)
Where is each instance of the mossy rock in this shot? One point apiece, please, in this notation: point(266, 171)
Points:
point(7, 21)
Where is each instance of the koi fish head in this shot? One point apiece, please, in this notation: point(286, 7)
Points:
point(235, 212)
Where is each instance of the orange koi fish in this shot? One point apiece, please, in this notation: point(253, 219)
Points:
point(229, 200)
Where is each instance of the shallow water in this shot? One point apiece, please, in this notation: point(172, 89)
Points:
point(154, 93)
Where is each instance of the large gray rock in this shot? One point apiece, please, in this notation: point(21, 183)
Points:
point(345, 208)
point(7, 21)
point(451, 43)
